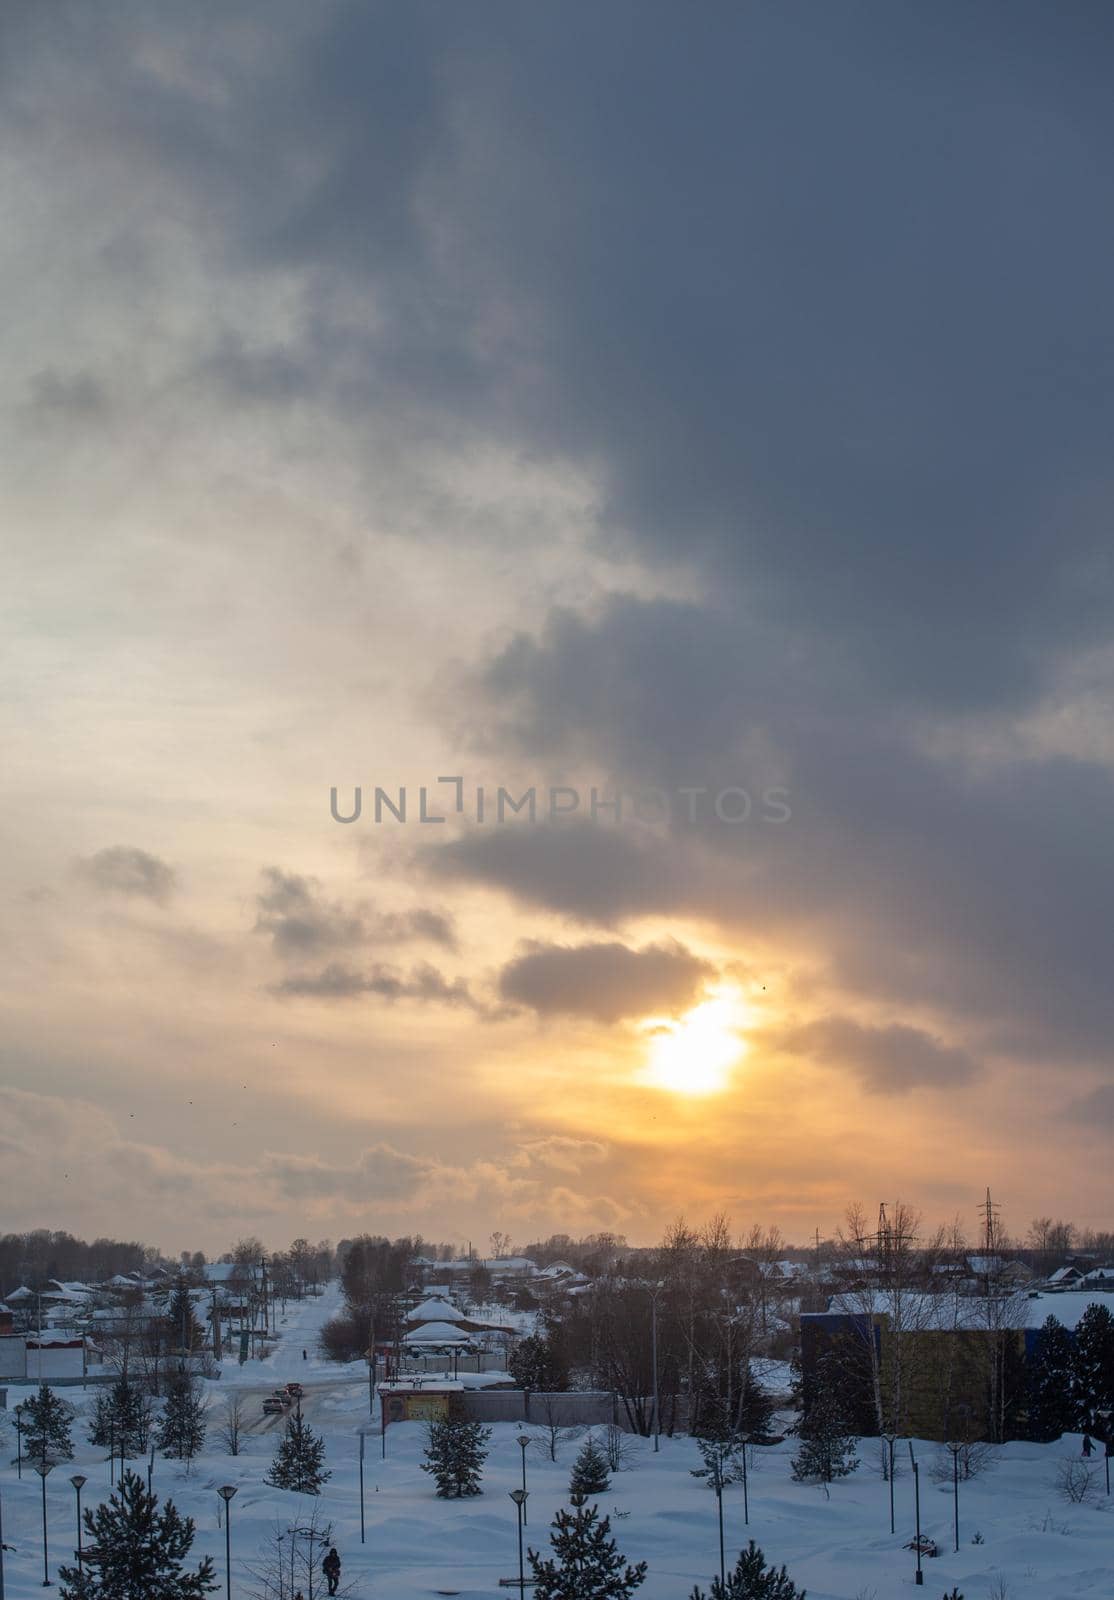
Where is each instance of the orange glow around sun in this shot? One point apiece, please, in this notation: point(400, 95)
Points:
point(694, 1054)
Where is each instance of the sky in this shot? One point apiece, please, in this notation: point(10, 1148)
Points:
point(705, 405)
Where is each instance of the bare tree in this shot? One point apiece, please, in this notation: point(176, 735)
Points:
point(1077, 1481)
point(620, 1448)
point(288, 1561)
point(552, 1431)
point(231, 1424)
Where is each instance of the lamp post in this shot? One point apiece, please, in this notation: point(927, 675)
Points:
point(519, 1498)
point(889, 1439)
point(746, 1495)
point(917, 1503)
point(955, 1445)
point(363, 1529)
point(44, 1468)
point(718, 1485)
point(654, 1358)
point(3, 1547)
point(226, 1493)
point(1105, 1413)
point(78, 1483)
point(19, 1442)
point(523, 1441)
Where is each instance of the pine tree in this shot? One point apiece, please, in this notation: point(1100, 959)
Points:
point(752, 1579)
point(135, 1552)
point(44, 1424)
point(827, 1448)
point(299, 1462)
point(585, 1565)
point(182, 1428)
point(1052, 1393)
point(183, 1329)
point(1094, 1364)
point(590, 1473)
point(455, 1452)
point(538, 1365)
point(122, 1420)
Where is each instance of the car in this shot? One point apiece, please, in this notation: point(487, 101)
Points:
point(273, 1404)
point(295, 1391)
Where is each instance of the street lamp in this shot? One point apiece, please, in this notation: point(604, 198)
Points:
point(890, 1439)
point(955, 1445)
point(523, 1441)
point(44, 1469)
point(3, 1547)
point(1106, 1412)
point(746, 1497)
point(519, 1497)
point(78, 1483)
point(226, 1491)
point(917, 1503)
point(654, 1357)
point(19, 1442)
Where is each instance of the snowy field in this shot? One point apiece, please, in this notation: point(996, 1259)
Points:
point(838, 1548)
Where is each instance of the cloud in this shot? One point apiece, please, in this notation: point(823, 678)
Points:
point(588, 870)
point(1094, 1110)
point(123, 869)
point(887, 1060)
point(423, 983)
point(606, 982)
point(301, 922)
point(519, 1184)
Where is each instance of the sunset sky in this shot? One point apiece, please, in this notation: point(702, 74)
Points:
point(650, 397)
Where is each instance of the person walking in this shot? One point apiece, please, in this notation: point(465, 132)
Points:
point(331, 1568)
point(1088, 1446)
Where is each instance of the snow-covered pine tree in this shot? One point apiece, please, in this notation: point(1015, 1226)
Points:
point(827, 1449)
point(44, 1425)
point(183, 1329)
point(121, 1419)
point(455, 1453)
point(181, 1430)
point(537, 1364)
point(590, 1473)
point(1052, 1394)
point(135, 1552)
point(299, 1462)
point(585, 1564)
point(1094, 1364)
point(752, 1579)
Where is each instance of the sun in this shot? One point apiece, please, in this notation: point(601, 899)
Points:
point(694, 1054)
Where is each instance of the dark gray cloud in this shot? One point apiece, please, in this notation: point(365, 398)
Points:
point(302, 922)
point(337, 981)
point(583, 869)
point(821, 292)
point(72, 397)
point(984, 892)
point(123, 869)
point(887, 1060)
point(604, 981)
point(1095, 1110)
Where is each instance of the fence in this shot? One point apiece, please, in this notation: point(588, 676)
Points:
point(572, 1408)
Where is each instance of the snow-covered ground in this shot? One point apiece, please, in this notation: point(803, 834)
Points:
point(839, 1548)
